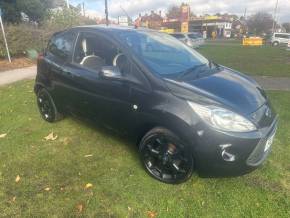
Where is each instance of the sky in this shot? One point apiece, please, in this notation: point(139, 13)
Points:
point(95, 8)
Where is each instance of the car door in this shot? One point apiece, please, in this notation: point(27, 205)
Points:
point(103, 99)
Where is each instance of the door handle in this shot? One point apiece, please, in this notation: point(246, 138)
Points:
point(72, 75)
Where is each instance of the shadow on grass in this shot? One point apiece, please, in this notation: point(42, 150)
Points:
point(124, 137)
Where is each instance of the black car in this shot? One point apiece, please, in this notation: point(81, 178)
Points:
point(186, 112)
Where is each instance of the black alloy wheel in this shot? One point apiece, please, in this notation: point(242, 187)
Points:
point(165, 157)
point(47, 107)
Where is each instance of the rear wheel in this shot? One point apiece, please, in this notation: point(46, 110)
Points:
point(47, 106)
point(275, 43)
point(165, 157)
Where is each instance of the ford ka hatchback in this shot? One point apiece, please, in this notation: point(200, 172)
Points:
point(187, 113)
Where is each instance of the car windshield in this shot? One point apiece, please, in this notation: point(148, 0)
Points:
point(162, 53)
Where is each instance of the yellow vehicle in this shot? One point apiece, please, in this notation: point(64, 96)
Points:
point(253, 41)
point(167, 30)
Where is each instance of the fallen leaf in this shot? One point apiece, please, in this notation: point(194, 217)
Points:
point(88, 155)
point(66, 141)
point(151, 214)
point(17, 179)
point(80, 207)
point(88, 185)
point(14, 199)
point(51, 137)
point(3, 135)
point(47, 189)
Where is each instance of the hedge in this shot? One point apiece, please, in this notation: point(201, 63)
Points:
point(27, 36)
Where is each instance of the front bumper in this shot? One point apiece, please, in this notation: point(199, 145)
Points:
point(248, 150)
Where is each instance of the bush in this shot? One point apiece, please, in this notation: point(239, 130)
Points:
point(27, 36)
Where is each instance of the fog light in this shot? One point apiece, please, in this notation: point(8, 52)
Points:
point(225, 154)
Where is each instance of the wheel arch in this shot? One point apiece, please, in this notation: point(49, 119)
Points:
point(172, 123)
point(38, 86)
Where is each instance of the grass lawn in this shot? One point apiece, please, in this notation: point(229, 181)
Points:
point(53, 174)
point(262, 61)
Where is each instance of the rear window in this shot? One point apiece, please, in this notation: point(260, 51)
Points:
point(61, 45)
point(178, 36)
point(194, 35)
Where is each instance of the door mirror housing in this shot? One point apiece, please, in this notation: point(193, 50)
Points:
point(111, 72)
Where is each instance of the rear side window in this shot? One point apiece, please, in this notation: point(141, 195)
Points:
point(61, 45)
point(284, 36)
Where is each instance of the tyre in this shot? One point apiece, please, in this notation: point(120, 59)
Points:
point(275, 43)
point(47, 106)
point(165, 157)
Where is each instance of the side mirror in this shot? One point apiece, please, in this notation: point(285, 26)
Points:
point(111, 72)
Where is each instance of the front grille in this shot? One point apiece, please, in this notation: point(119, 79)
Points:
point(259, 155)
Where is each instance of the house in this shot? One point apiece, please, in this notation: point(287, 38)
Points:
point(152, 21)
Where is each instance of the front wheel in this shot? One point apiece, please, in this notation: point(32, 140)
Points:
point(275, 44)
point(165, 157)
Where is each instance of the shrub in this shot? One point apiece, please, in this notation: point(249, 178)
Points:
point(20, 38)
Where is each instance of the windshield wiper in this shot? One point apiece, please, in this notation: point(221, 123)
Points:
point(212, 63)
point(190, 70)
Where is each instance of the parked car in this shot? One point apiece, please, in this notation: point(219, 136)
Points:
point(193, 40)
point(280, 38)
point(186, 112)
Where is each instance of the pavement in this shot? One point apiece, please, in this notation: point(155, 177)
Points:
point(268, 83)
point(274, 83)
point(11, 76)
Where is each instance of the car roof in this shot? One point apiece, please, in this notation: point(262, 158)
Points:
point(283, 33)
point(110, 28)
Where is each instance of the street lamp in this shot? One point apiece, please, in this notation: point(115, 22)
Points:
point(106, 12)
point(274, 18)
point(67, 3)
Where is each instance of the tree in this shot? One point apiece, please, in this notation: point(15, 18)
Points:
point(260, 23)
point(36, 10)
point(173, 12)
point(11, 12)
point(287, 27)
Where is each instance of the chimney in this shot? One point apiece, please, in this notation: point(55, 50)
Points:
point(140, 15)
point(160, 13)
point(152, 12)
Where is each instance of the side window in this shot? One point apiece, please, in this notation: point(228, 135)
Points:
point(93, 51)
point(61, 45)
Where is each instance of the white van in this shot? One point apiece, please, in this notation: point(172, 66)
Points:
point(280, 38)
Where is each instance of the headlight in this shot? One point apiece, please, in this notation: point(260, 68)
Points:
point(223, 119)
